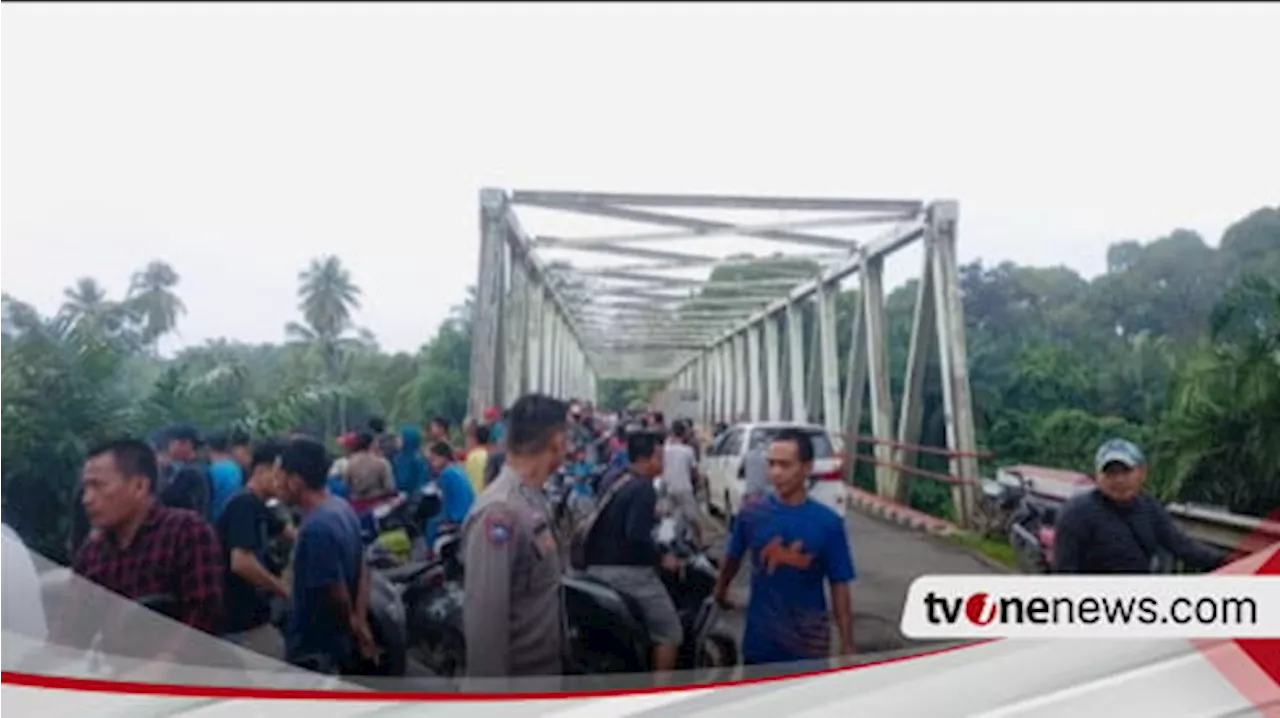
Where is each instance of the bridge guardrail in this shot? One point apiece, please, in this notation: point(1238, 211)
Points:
point(1224, 529)
point(1213, 526)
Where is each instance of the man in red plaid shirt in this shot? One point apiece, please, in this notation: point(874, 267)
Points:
point(139, 547)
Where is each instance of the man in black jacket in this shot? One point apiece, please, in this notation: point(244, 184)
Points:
point(185, 483)
point(621, 551)
point(1115, 528)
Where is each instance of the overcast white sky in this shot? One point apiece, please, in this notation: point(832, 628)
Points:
point(237, 142)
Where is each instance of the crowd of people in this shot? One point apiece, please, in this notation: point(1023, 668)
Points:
point(193, 517)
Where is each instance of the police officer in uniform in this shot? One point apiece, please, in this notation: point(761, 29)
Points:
point(514, 616)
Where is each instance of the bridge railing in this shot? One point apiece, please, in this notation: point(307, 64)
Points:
point(1213, 526)
point(1236, 532)
point(903, 454)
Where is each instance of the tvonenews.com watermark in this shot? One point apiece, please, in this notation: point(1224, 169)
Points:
point(1093, 607)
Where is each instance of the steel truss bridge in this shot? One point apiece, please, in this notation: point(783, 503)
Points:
point(628, 306)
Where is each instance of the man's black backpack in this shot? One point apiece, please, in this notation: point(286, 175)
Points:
point(582, 532)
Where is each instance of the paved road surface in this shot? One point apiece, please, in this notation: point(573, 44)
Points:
point(887, 558)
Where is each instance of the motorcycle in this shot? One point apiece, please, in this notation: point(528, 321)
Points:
point(393, 530)
point(606, 633)
point(384, 527)
point(429, 589)
point(1031, 528)
point(420, 597)
point(389, 624)
point(432, 594)
point(606, 630)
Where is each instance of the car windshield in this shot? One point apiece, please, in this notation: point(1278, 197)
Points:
point(822, 448)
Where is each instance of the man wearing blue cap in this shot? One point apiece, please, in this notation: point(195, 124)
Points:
point(1116, 528)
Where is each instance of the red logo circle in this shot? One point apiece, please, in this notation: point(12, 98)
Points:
point(980, 609)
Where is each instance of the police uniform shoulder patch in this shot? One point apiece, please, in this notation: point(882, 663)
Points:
point(498, 527)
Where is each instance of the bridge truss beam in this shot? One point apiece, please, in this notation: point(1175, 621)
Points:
point(759, 349)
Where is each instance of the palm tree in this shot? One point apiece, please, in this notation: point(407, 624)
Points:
point(86, 306)
point(86, 298)
point(152, 300)
point(327, 295)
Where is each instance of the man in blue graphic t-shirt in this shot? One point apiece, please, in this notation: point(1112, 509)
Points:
point(796, 545)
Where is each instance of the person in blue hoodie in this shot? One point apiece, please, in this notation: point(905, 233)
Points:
point(411, 470)
point(456, 491)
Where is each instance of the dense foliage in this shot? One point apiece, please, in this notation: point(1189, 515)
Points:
point(1177, 346)
point(90, 373)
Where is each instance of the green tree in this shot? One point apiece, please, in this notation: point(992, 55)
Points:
point(622, 394)
point(439, 387)
point(86, 303)
point(1252, 245)
point(62, 394)
point(327, 297)
point(153, 301)
point(1220, 442)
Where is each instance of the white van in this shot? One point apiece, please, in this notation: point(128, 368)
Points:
point(723, 465)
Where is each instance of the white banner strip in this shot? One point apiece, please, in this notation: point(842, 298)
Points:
point(1147, 607)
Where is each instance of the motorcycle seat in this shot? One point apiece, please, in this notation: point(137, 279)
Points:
point(632, 606)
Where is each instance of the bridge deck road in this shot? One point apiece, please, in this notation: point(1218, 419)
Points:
point(887, 559)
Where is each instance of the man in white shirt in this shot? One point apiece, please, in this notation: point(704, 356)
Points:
point(23, 602)
point(679, 464)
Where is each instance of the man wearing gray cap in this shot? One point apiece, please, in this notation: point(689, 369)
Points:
point(1115, 528)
